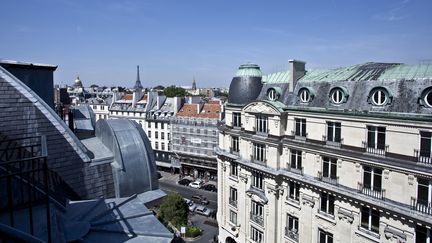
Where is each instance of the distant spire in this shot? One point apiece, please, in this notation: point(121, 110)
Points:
point(194, 83)
point(138, 82)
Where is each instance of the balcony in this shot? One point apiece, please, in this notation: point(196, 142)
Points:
point(381, 149)
point(291, 234)
point(377, 193)
point(332, 143)
point(257, 218)
point(233, 202)
point(294, 170)
point(258, 161)
point(421, 206)
point(234, 151)
point(334, 181)
point(423, 157)
point(300, 136)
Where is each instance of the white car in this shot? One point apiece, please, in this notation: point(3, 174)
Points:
point(203, 210)
point(191, 205)
point(196, 184)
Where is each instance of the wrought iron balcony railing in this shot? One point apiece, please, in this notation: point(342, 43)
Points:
point(421, 206)
point(424, 157)
point(299, 171)
point(329, 180)
point(374, 192)
point(334, 142)
point(292, 234)
point(233, 202)
point(380, 149)
point(257, 218)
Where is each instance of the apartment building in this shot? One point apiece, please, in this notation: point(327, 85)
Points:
point(328, 155)
point(195, 137)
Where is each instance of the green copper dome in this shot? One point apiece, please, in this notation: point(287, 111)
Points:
point(248, 70)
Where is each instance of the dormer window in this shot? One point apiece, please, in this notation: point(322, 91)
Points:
point(305, 95)
point(379, 97)
point(338, 96)
point(427, 97)
point(273, 93)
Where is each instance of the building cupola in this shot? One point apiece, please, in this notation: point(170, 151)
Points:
point(246, 84)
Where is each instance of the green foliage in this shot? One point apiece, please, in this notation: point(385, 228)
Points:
point(192, 231)
point(224, 94)
point(159, 87)
point(174, 209)
point(173, 91)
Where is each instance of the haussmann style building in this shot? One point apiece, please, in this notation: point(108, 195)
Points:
point(328, 155)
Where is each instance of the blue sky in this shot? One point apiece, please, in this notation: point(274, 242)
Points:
point(172, 41)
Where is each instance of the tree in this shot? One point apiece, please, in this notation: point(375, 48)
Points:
point(173, 91)
point(174, 209)
point(94, 86)
point(159, 87)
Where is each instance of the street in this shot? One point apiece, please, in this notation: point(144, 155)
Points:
point(208, 225)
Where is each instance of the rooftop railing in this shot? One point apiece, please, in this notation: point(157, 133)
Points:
point(24, 175)
point(380, 149)
point(421, 206)
point(374, 192)
point(423, 157)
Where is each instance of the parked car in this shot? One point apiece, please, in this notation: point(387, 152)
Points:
point(184, 182)
point(200, 199)
point(209, 187)
point(196, 184)
point(191, 205)
point(203, 210)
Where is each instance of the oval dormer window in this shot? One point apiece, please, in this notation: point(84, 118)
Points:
point(427, 98)
point(272, 95)
point(379, 97)
point(337, 96)
point(305, 95)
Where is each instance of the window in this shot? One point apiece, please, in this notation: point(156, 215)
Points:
point(257, 209)
point(94, 107)
point(198, 131)
point(163, 146)
point(305, 95)
point(256, 235)
point(235, 144)
point(329, 168)
point(149, 125)
point(233, 197)
point(334, 132)
point(325, 237)
point(156, 124)
point(379, 97)
point(149, 134)
point(296, 159)
point(162, 135)
point(257, 179)
point(327, 203)
point(292, 227)
point(370, 219)
point(424, 192)
point(300, 127)
point(234, 169)
point(294, 191)
point(236, 119)
point(337, 96)
point(156, 145)
point(259, 152)
point(168, 136)
point(272, 94)
point(102, 107)
point(425, 144)
point(261, 123)
point(376, 137)
point(162, 125)
point(233, 217)
point(422, 234)
point(372, 178)
point(156, 134)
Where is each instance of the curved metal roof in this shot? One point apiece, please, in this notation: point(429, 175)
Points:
point(134, 166)
point(246, 84)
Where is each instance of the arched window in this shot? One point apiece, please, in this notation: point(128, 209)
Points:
point(427, 97)
point(379, 97)
point(338, 96)
point(305, 95)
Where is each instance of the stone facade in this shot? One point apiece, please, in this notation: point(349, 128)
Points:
point(291, 172)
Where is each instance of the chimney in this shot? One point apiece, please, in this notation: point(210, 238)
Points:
point(298, 70)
